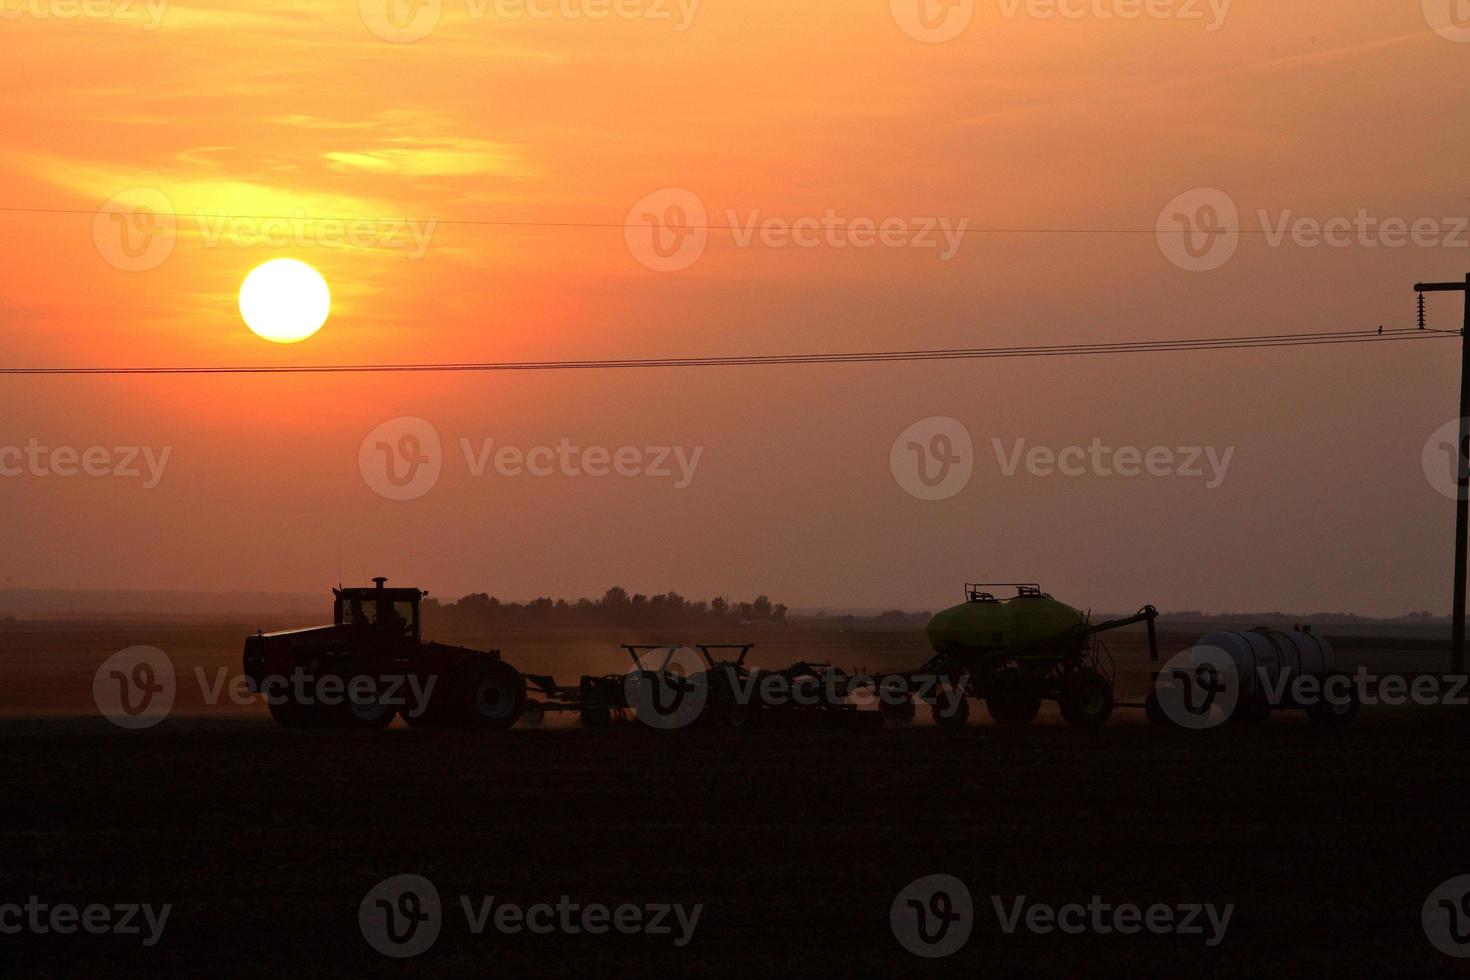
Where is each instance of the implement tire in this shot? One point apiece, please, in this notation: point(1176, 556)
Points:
point(1087, 699)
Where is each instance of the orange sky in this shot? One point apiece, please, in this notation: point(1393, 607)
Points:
point(761, 109)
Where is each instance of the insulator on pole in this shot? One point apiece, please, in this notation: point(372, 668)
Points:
point(1421, 311)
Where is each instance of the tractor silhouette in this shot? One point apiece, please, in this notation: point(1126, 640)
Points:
point(371, 664)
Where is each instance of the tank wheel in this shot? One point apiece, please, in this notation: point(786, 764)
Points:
point(596, 717)
point(533, 714)
point(740, 716)
point(1334, 710)
point(487, 694)
point(1087, 699)
point(1155, 711)
point(947, 715)
point(1012, 711)
point(900, 713)
point(1250, 709)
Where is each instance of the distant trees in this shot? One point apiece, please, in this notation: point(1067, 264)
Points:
point(615, 609)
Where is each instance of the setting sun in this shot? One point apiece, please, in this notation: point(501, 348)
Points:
point(937, 430)
point(285, 300)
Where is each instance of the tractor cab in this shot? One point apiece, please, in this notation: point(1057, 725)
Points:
point(391, 616)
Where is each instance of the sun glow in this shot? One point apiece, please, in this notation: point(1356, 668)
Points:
point(285, 301)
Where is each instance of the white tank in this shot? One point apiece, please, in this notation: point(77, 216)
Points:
point(1261, 655)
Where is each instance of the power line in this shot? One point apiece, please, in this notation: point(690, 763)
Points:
point(763, 360)
point(507, 223)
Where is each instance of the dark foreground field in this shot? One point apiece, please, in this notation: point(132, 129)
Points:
point(1327, 842)
point(265, 842)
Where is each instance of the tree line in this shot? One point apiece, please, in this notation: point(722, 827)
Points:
point(616, 608)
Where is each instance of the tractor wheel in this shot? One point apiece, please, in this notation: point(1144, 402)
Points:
point(414, 718)
point(899, 714)
point(1087, 699)
point(1325, 712)
point(491, 694)
point(1013, 711)
point(372, 714)
point(373, 717)
point(533, 714)
point(947, 715)
point(290, 714)
point(434, 708)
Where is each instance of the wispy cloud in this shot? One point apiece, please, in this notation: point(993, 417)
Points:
point(411, 156)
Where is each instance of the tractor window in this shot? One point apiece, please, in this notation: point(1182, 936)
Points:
point(396, 617)
point(357, 611)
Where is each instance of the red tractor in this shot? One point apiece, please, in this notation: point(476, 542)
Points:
point(371, 664)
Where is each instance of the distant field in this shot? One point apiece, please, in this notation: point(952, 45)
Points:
point(50, 665)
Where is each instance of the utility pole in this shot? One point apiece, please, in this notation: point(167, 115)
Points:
point(1462, 473)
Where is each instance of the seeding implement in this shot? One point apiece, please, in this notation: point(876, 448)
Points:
point(1011, 654)
point(804, 694)
point(601, 700)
